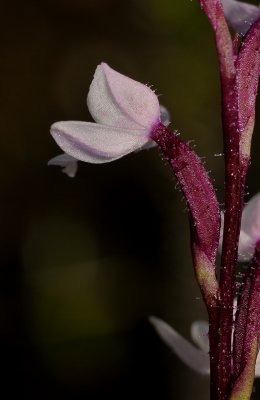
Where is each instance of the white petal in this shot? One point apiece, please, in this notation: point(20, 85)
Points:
point(196, 359)
point(199, 334)
point(250, 228)
point(246, 244)
point(69, 164)
point(251, 217)
point(257, 366)
point(164, 115)
point(221, 232)
point(96, 143)
point(246, 247)
point(240, 15)
point(71, 169)
point(116, 100)
point(61, 160)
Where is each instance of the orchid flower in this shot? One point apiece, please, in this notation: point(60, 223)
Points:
point(240, 15)
point(129, 118)
point(125, 112)
point(196, 358)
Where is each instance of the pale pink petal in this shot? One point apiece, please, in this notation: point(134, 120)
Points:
point(246, 247)
point(257, 366)
point(221, 232)
point(69, 164)
point(251, 218)
point(96, 143)
point(196, 359)
point(119, 101)
point(240, 15)
point(199, 334)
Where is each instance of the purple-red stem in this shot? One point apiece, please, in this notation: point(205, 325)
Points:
point(234, 194)
point(204, 221)
point(213, 314)
point(233, 210)
point(198, 191)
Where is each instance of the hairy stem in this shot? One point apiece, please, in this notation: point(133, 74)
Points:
point(202, 204)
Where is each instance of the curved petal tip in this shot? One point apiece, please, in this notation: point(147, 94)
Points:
point(195, 358)
point(69, 164)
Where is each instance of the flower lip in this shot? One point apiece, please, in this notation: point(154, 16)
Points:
point(96, 143)
point(69, 163)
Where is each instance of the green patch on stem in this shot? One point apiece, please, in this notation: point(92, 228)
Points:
point(242, 389)
point(206, 276)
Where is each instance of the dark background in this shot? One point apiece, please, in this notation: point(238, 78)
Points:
point(85, 261)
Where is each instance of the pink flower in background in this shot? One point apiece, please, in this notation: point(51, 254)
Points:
point(196, 358)
point(240, 15)
point(250, 229)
